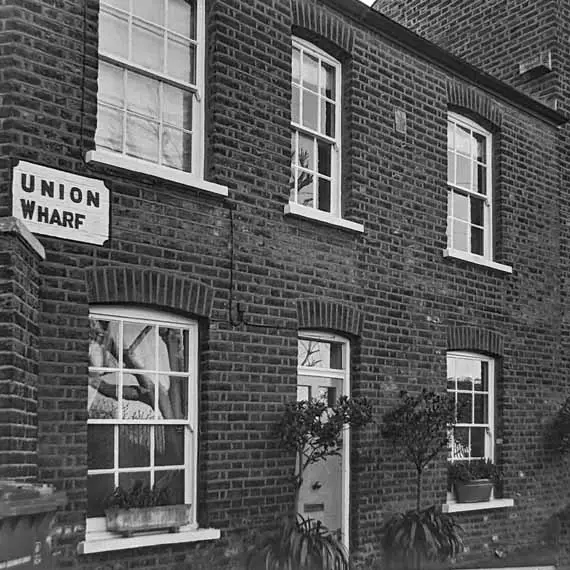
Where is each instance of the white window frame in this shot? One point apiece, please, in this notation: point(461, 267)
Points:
point(194, 177)
point(97, 538)
point(334, 216)
point(451, 505)
point(344, 376)
point(487, 256)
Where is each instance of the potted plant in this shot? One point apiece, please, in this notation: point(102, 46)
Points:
point(473, 481)
point(312, 430)
point(419, 428)
point(142, 509)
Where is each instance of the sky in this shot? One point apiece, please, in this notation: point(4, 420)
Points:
point(368, 2)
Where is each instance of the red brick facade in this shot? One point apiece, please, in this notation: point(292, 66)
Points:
point(254, 277)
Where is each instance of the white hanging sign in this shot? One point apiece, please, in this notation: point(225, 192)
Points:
point(60, 204)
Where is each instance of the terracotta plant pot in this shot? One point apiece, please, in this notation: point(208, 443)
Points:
point(476, 491)
point(129, 521)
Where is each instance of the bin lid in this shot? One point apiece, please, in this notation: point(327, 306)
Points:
point(18, 498)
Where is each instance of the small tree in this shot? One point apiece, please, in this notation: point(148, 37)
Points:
point(313, 430)
point(420, 428)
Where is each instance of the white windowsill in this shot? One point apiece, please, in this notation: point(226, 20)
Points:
point(137, 165)
point(293, 209)
point(478, 259)
point(108, 541)
point(485, 505)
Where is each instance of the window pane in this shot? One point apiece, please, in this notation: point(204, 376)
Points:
point(328, 81)
point(139, 344)
point(142, 95)
point(328, 119)
point(460, 444)
point(172, 398)
point(460, 235)
point(460, 206)
point(481, 147)
point(114, 34)
point(451, 168)
point(128, 480)
point(181, 17)
point(151, 10)
point(142, 138)
point(176, 148)
point(175, 342)
point(138, 396)
point(100, 446)
point(480, 174)
point(109, 132)
point(320, 354)
point(306, 152)
point(463, 140)
point(296, 66)
point(102, 395)
point(480, 409)
point(305, 195)
point(295, 104)
point(180, 59)
point(478, 442)
point(324, 203)
point(173, 481)
point(134, 446)
point(463, 173)
point(484, 384)
point(464, 409)
point(99, 487)
point(169, 445)
point(310, 72)
point(327, 394)
point(148, 46)
point(324, 150)
point(177, 107)
point(310, 110)
point(477, 211)
point(477, 241)
point(111, 86)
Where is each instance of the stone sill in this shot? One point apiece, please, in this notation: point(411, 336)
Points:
point(485, 505)
point(296, 210)
point(477, 259)
point(108, 541)
point(109, 158)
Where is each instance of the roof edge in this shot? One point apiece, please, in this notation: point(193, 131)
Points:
point(388, 28)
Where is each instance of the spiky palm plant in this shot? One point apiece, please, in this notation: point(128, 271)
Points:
point(301, 544)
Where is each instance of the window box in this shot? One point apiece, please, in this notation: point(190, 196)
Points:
point(129, 521)
point(475, 491)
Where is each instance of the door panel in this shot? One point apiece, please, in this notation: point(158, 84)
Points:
point(321, 493)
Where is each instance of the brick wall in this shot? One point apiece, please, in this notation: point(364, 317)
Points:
point(400, 296)
point(496, 36)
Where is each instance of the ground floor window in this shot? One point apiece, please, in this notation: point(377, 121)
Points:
point(142, 404)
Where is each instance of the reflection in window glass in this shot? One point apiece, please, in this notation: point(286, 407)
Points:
point(320, 354)
point(139, 402)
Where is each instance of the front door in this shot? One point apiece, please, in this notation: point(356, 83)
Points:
point(320, 495)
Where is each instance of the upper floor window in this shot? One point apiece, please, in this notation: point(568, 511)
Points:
point(142, 406)
point(471, 379)
point(151, 83)
point(469, 180)
point(316, 130)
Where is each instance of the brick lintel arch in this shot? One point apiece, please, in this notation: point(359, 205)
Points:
point(469, 101)
point(312, 22)
point(475, 339)
point(117, 285)
point(330, 315)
